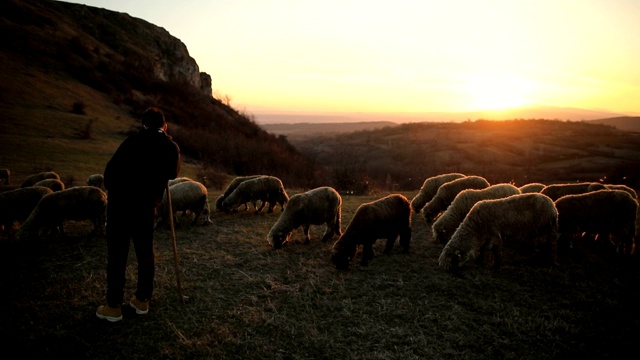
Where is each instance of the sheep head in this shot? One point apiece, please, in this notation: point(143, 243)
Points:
point(278, 238)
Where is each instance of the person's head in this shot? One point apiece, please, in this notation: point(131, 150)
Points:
point(153, 118)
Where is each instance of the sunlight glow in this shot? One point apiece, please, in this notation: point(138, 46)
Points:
point(498, 92)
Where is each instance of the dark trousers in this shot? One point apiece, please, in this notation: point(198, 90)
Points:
point(126, 222)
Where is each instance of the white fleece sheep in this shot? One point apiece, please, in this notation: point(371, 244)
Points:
point(186, 196)
point(267, 189)
point(532, 188)
point(96, 180)
point(631, 192)
point(556, 191)
point(319, 206)
point(231, 187)
point(16, 205)
point(386, 218)
point(429, 189)
point(531, 219)
point(53, 184)
point(5, 176)
point(32, 179)
point(447, 192)
point(74, 203)
point(444, 227)
point(602, 212)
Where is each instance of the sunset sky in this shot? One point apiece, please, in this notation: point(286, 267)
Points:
point(408, 55)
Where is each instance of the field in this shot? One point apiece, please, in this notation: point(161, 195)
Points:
point(246, 300)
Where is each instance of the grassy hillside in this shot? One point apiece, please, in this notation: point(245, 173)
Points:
point(249, 301)
point(518, 151)
point(113, 66)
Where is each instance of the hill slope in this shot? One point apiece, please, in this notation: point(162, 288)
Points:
point(75, 78)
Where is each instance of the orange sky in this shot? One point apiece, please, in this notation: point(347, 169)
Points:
point(408, 56)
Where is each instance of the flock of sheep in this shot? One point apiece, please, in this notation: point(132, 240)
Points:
point(464, 212)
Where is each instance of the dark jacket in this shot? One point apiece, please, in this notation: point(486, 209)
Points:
point(139, 170)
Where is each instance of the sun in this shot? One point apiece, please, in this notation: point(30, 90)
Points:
point(497, 92)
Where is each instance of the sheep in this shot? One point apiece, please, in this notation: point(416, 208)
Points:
point(631, 192)
point(531, 188)
point(603, 212)
point(555, 191)
point(232, 186)
point(32, 179)
point(528, 218)
point(265, 188)
point(319, 206)
point(17, 204)
point(53, 184)
point(5, 176)
point(447, 192)
point(448, 222)
point(429, 189)
point(186, 195)
point(74, 203)
point(179, 180)
point(385, 218)
point(96, 180)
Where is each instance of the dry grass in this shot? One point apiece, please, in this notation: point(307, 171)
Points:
point(246, 300)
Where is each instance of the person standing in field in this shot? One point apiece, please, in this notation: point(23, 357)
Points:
point(135, 179)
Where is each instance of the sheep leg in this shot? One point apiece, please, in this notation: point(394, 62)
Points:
point(497, 260)
point(270, 208)
point(328, 233)
point(307, 238)
point(367, 254)
point(405, 239)
point(261, 207)
point(389, 246)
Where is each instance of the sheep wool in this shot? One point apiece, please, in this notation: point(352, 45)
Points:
point(386, 218)
point(319, 206)
point(231, 187)
point(447, 192)
point(267, 189)
point(53, 184)
point(17, 204)
point(96, 180)
point(532, 188)
point(444, 227)
point(429, 189)
point(631, 192)
point(32, 179)
point(74, 203)
point(186, 196)
point(556, 191)
point(603, 212)
point(530, 219)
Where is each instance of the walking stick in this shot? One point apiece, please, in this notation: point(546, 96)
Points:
point(175, 246)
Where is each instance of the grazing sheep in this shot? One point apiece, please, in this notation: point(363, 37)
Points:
point(232, 186)
point(429, 189)
point(603, 212)
point(444, 227)
point(186, 195)
point(556, 191)
point(5, 176)
point(32, 179)
point(319, 206)
point(532, 188)
point(17, 204)
point(447, 192)
point(74, 203)
point(264, 188)
point(53, 184)
point(385, 218)
point(527, 218)
point(96, 180)
point(631, 192)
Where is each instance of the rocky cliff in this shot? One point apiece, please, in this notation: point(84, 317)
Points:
point(94, 37)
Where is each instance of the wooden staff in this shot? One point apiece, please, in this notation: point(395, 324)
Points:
point(175, 246)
